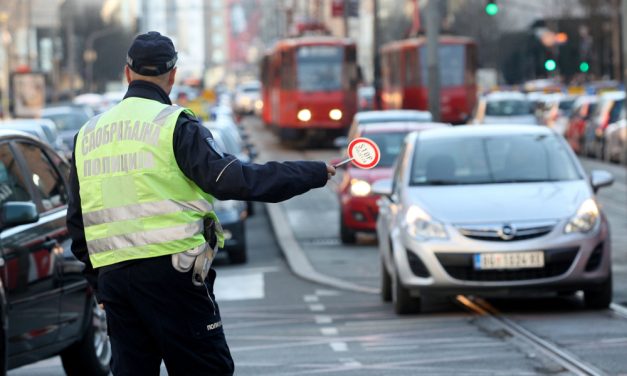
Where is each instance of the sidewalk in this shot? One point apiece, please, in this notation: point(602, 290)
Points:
point(307, 229)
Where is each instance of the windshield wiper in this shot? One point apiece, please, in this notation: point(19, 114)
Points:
point(507, 181)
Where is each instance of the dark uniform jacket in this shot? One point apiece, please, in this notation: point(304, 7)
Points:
point(194, 150)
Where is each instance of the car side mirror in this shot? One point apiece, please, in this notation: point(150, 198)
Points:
point(382, 187)
point(600, 179)
point(340, 142)
point(15, 213)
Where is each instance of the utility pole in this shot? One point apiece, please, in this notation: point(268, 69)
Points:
point(345, 18)
point(433, 68)
point(376, 64)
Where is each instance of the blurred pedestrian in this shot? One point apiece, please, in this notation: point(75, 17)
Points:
point(143, 178)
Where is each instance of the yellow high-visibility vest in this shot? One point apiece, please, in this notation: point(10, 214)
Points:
point(136, 202)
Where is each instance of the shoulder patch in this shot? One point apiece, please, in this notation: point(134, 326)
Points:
point(214, 146)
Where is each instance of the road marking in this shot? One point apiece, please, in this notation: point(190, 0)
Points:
point(339, 346)
point(317, 307)
point(329, 331)
point(323, 319)
point(239, 287)
point(350, 362)
point(619, 310)
point(327, 292)
point(310, 298)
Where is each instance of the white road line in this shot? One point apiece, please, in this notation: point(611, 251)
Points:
point(350, 362)
point(339, 346)
point(327, 292)
point(329, 331)
point(619, 310)
point(239, 287)
point(311, 298)
point(323, 319)
point(317, 307)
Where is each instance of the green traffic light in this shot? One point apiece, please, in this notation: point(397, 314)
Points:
point(491, 9)
point(584, 66)
point(550, 65)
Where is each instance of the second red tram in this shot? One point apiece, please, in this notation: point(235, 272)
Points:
point(310, 86)
point(405, 78)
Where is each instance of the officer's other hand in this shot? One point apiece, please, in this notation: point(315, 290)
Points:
point(330, 171)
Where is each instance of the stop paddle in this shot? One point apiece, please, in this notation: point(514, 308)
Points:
point(363, 153)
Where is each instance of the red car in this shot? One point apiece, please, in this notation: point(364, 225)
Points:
point(581, 113)
point(358, 207)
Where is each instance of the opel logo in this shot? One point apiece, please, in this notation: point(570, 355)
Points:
point(507, 232)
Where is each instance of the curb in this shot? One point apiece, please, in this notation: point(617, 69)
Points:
point(296, 258)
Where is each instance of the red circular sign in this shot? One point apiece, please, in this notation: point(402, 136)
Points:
point(364, 153)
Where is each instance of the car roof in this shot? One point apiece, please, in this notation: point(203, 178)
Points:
point(400, 126)
point(23, 123)
point(499, 95)
point(387, 114)
point(613, 95)
point(485, 130)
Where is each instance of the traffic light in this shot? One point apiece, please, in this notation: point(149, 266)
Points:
point(491, 8)
point(584, 67)
point(550, 65)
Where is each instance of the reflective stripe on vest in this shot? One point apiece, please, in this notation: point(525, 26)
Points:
point(148, 209)
point(138, 239)
point(136, 202)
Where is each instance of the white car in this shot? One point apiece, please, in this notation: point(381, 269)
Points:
point(504, 108)
point(491, 210)
point(248, 97)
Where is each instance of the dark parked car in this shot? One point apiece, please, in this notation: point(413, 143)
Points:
point(69, 119)
point(46, 304)
point(232, 214)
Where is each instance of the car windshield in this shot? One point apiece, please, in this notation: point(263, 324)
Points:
point(389, 145)
point(70, 121)
point(319, 68)
point(492, 160)
point(566, 105)
point(508, 107)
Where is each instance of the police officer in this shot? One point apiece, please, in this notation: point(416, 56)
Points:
point(143, 177)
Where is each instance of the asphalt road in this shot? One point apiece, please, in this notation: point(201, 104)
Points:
point(280, 324)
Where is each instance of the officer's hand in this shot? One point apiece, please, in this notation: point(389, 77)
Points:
point(330, 171)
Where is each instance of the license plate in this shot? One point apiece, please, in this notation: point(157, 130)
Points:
point(509, 260)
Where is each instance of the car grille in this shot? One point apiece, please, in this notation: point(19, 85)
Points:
point(460, 266)
point(498, 232)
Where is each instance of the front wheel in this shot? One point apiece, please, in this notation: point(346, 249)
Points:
point(404, 303)
point(386, 283)
point(92, 354)
point(599, 297)
point(347, 235)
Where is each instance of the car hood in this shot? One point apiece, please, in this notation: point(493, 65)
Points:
point(501, 202)
point(371, 175)
point(521, 119)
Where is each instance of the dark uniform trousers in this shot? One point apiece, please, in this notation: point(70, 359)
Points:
point(155, 313)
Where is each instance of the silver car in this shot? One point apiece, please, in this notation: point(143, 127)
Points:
point(491, 210)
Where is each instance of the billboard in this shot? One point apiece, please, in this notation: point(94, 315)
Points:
point(29, 94)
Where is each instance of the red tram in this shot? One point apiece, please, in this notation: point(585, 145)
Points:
point(309, 85)
point(405, 78)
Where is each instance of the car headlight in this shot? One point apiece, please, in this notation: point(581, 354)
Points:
point(304, 115)
point(360, 188)
point(335, 114)
point(586, 219)
point(421, 226)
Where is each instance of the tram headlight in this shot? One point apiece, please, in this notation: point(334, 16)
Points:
point(335, 114)
point(304, 115)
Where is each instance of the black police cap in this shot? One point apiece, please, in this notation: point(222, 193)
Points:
point(151, 54)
